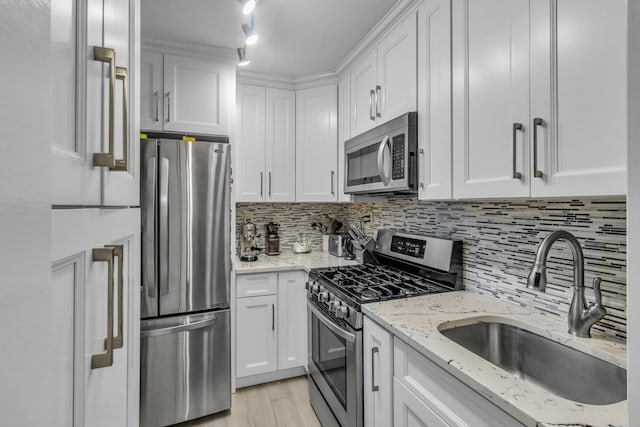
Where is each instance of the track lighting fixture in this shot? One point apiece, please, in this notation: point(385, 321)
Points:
point(242, 56)
point(248, 6)
point(250, 37)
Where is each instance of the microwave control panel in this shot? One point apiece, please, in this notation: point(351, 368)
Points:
point(397, 157)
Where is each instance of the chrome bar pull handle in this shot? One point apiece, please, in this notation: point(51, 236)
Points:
point(333, 176)
point(261, 184)
point(371, 114)
point(118, 251)
point(378, 89)
point(107, 55)
point(104, 360)
point(516, 127)
point(122, 165)
point(168, 106)
point(163, 216)
point(374, 387)
point(156, 94)
point(269, 184)
point(536, 122)
point(273, 317)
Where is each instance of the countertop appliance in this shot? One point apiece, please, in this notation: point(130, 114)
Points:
point(408, 265)
point(340, 245)
point(383, 159)
point(248, 249)
point(185, 328)
point(271, 239)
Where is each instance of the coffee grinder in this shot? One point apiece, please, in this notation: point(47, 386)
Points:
point(271, 239)
point(248, 250)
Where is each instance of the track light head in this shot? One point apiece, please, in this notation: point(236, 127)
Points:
point(242, 57)
point(250, 37)
point(248, 6)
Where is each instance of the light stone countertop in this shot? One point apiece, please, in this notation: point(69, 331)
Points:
point(287, 260)
point(417, 321)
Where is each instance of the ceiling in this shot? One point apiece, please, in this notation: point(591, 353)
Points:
point(297, 37)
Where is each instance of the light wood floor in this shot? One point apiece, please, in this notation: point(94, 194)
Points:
point(278, 404)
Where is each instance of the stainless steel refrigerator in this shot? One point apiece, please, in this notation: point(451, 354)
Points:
point(185, 326)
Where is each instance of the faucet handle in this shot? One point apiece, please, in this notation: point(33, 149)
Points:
point(596, 290)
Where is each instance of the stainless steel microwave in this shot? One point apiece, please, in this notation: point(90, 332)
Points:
point(383, 159)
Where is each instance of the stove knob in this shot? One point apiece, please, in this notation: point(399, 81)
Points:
point(333, 305)
point(323, 296)
point(315, 288)
point(342, 312)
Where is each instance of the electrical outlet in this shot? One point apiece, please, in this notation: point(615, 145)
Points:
point(371, 216)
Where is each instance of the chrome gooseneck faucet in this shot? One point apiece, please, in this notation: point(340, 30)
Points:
point(581, 316)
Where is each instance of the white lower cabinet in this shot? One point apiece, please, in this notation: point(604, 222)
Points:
point(271, 328)
point(427, 395)
point(95, 279)
point(257, 339)
point(377, 353)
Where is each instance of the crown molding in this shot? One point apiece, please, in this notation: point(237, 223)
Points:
point(264, 79)
point(216, 53)
point(388, 21)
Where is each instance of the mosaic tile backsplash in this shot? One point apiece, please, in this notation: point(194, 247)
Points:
point(500, 240)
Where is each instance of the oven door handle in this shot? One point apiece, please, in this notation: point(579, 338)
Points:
point(381, 166)
point(329, 324)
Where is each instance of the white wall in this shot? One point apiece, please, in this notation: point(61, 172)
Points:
point(25, 229)
point(633, 213)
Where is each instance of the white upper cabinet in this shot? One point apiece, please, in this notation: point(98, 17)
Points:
point(383, 83)
point(250, 154)
point(151, 81)
point(344, 132)
point(197, 93)
point(396, 88)
point(316, 144)
point(579, 95)
point(185, 94)
point(264, 169)
point(434, 100)
point(95, 146)
point(539, 104)
point(280, 145)
point(491, 98)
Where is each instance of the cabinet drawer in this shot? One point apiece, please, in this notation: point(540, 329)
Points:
point(408, 410)
point(444, 394)
point(253, 285)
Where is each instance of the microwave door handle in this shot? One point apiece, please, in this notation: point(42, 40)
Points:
point(381, 166)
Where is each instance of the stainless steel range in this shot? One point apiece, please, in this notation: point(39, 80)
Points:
point(407, 265)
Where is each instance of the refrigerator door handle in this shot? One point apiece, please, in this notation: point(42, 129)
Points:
point(178, 328)
point(164, 227)
point(150, 226)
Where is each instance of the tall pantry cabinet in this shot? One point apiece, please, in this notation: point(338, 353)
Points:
point(95, 218)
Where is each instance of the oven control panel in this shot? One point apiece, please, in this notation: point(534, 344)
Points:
point(397, 157)
point(414, 248)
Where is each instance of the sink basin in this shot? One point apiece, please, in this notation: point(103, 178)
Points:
point(561, 370)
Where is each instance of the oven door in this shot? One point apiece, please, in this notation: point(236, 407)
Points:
point(335, 365)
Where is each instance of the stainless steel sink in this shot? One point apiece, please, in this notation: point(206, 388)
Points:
point(559, 369)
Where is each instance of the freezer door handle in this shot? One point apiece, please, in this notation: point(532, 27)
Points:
point(164, 227)
point(150, 230)
point(178, 328)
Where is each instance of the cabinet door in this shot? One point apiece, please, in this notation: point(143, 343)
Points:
point(121, 187)
point(396, 83)
point(409, 411)
point(280, 127)
point(579, 93)
point(105, 394)
point(197, 93)
point(151, 106)
point(490, 98)
point(317, 144)
point(363, 84)
point(256, 338)
point(76, 112)
point(292, 320)
point(344, 132)
point(377, 353)
point(249, 162)
point(434, 100)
